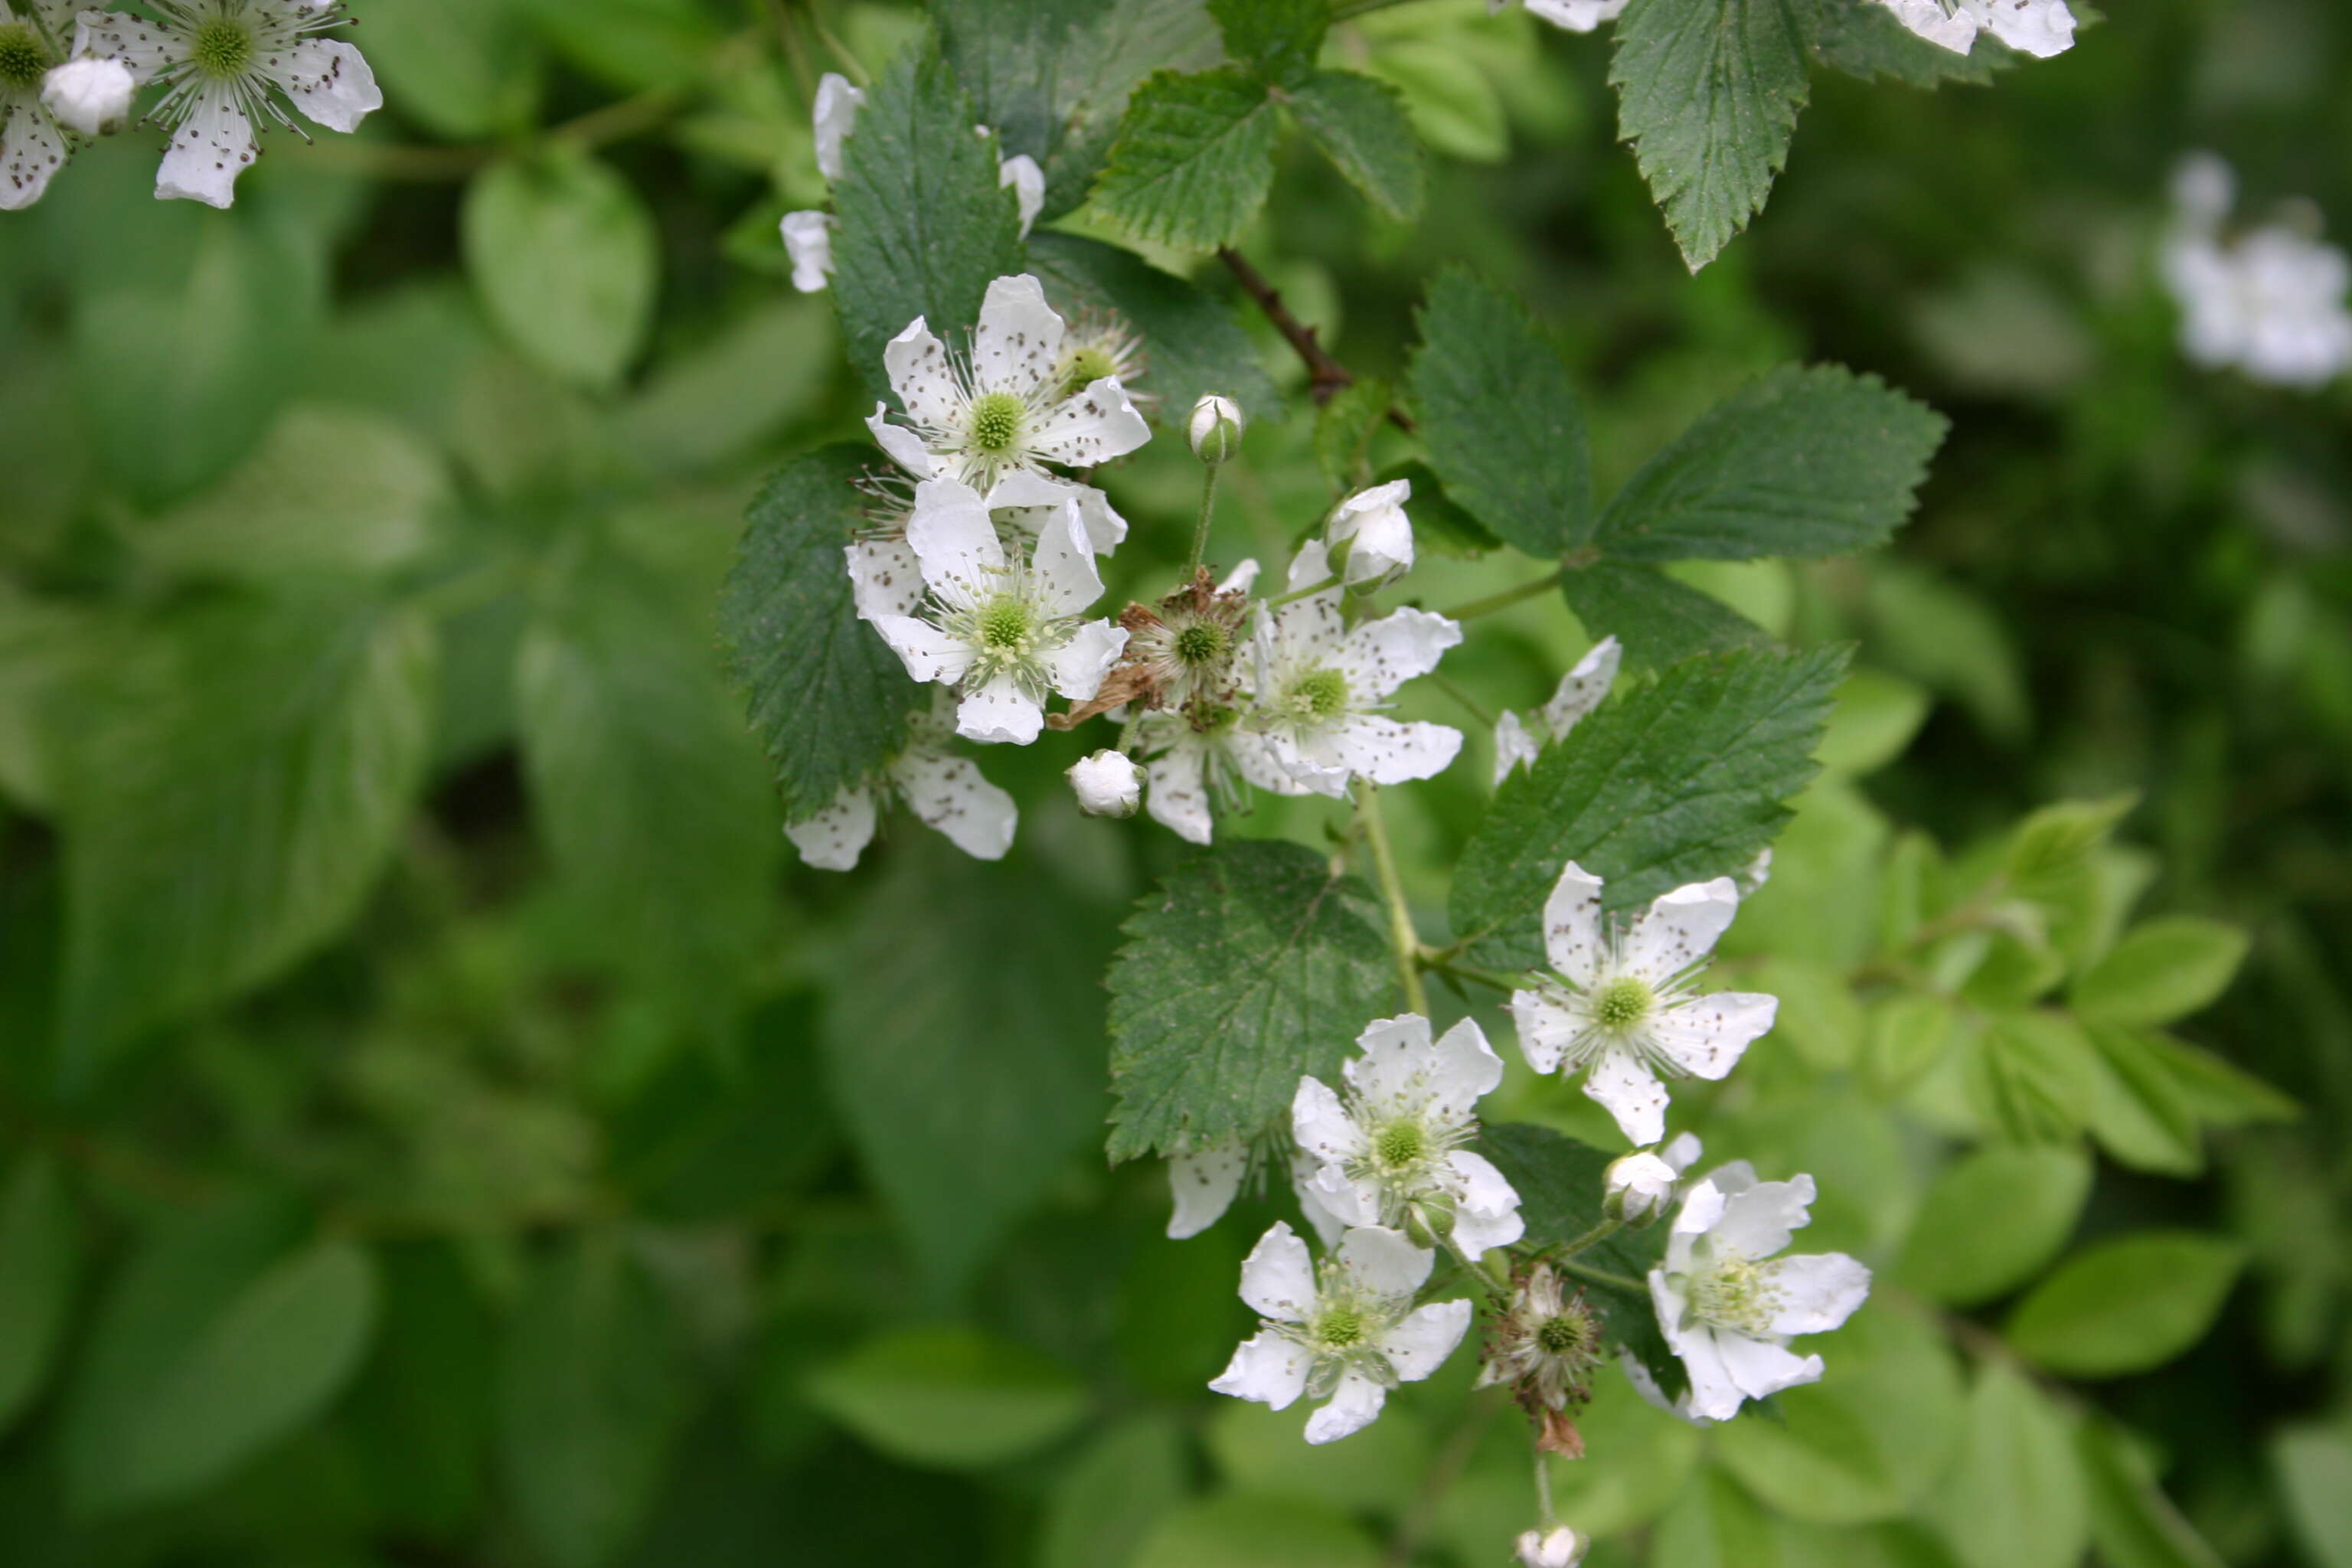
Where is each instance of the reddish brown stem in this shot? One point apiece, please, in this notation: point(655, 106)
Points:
point(1327, 378)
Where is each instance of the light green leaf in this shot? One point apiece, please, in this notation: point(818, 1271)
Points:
point(1808, 461)
point(1714, 1524)
point(2314, 1470)
point(1659, 620)
point(465, 69)
point(40, 1259)
point(766, 369)
point(1708, 93)
point(1205, 1048)
point(1360, 122)
point(2015, 1498)
point(2163, 970)
point(967, 1094)
point(2137, 1110)
point(1673, 783)
point(2036, 1075)
point(1239, 1530)
point(245, 769)
point(828, 698)
point(1194, 158)
point(949, 1398)
point(1193, 343)
point(1453, 102)
point(1109, 1496)
point(2133, 1523)
point(1862, 39)
point(2056, 843)
point(2214, 1091)
point(631, 45)
point(564, 256)
point(1950, 640)
point(1818, 1016)
point(1261, 1450)
point(2127, 1304)
point(1993, 1219)
point(1503, 423)
point(1875, 717)
point(924, 226)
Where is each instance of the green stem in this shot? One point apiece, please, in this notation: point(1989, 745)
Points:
point(1208, 510)
point(1470, 704)
point(1591, 1276)
point(1497, 1293)
point(1507, 598)
point(1308, 591)
point(850, 62)
point(1402, 937)
point(1545, 1515)
point(1363, 8)
point(1472, 973)
point(1593, 1237)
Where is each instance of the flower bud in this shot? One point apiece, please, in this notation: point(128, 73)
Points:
point(91, 96)
point(1558, 1548)
point(1370, 536)
point(808, 240)
point(1109, 783)
point(1215, 430)
point(1639, 1186)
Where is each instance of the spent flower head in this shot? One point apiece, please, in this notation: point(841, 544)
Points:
point(1545, 1347)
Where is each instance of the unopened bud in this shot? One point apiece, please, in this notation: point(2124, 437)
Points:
point(1560, 1547)
point(91, 96)
point(1215, 430)
point(1371, 538)
point(1109, 783)
point(1639, 1186)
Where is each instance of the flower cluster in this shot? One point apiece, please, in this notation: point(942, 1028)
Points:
point(224, 66)
point(2268, 301)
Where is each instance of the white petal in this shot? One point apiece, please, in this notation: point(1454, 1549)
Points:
point(1573, 935)
point(1089, 427)
point(1278, 1276)
point(902, 446)
point(1329, 1226)
point(1240, 580)
point(1394, 1063)
point(1203, 1185)
point(1514, 746)
point(1815, 1292)
point(928, 653)
point(1078, 666)
point(1065, 565)
point(1379, 536)
point(1759, 1368)
point(1351, 1408)
point(1105, 530)
point(950, 797)
point(1707, 1035)
point(1000, 713)
point(923, 376)
point(884, 579)
point(1637, 1099)
point(1311, 565)
point(1351, 1202)
point(1387, 752)
point(1679, 929)
point(207, 154)
point(954, 539)
point(137, 42)
point(1544, 1028)
point(1576, 15)
point(1757, 1221)
point(1954, 30)
point(1176, 792)
point(1702, 1208)
point(329, 81)
point(1270, 1368)
point(1420, 1345)
point(1582, 687)
point(1682, 1151)
point(1382, 1261)
point(1018, 339)
point(1714, 1395)
point(1488, 1216)
point(808, 240)
point(1028, 182)
point(1380, 656)
point(834, 837)
point(1321, 1125)
point(837, 103)
point(2039, 27)
point(31, 151)
point(1651, 1395)
point(1465, 1069)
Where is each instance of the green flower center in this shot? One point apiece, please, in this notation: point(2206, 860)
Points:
point(1623, 1003)
point(1564, 1335)
point(1085, 366)
point(1736, 1294)
point(995, 422)
point(1203, 642)
point(22, 58)
point(1320, 693)
point(1340, 1327)
point(1399, 1145)
point(1005, 624)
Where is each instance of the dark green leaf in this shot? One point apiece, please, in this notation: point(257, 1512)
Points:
point(1194, 158)
point(1862, 39)
point(1808, 462)
point(949, 1398)
point(40, 1254)
point(1439, 522)
point(1561, 1183)
point(245, 769)
point(1361, 126)
point(924, 226)
point(1191, 342)
point(1659, 620)
point(1708, 93)
point(1503, 422)
point(1670, 784)
point(419, 1417)
point(1250, 967)
point(2126, 1305)
point(1278, 39)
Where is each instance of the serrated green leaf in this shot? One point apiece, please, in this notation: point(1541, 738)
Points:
point(1250, 967)
point(2014, 1498)
point(1278, 39)
point(2163, 970)
point(924, 226)
point(828, 698)
point(1991, 1220)
point(1503, 424)
point(1439, 522)
point(1660, 621)
point(1670, 784)
point(1193, 342)
point(1360, 124)
point(564, 256)
point(1194, 158)
point(2127, 1304)
point(949, 1398)
point(40, 1259)
point(1862, 39)
point(246, 770)
point(967, 1094)
point(1708, 93)
point(1808, 461)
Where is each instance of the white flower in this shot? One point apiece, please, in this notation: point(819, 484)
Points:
point(884, 579)
point(2038, 27)
point(1028, 182)
point(1391, 1151)
point(1621, 1004)
point(1371, 537)
point(837, 103)
point(1727, 1310)
point(947, 792)
point(1320, 687)
point(219, 61)
point(1197, 762)
point(33, 145)
point(1004, 631)
point(1557, 1547)
point(1108, 783)
point(91, 97)
point(1576, 15)
point(1203, 1183)
point(1215, 428)
point(1519, 741)
point(2270, 303)
point(1351, 1334)
point(1638, 1188)
point(1005, 410)
point(808, 240)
